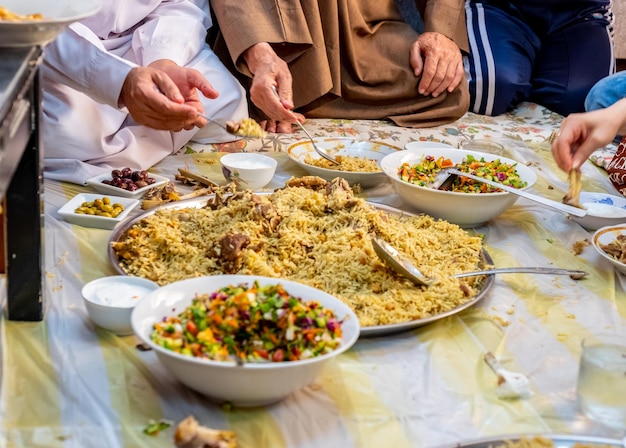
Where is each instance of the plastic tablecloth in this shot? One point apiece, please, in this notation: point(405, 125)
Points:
point(67, 383)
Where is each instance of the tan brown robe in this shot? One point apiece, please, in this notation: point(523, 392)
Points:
point(348, 58)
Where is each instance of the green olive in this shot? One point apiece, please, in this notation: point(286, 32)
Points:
point(100, 207)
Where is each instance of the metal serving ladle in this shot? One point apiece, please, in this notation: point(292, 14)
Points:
point(448, 174)
point(404, 267)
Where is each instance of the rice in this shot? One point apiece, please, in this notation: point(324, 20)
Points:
point(314, 237)
point(542, 442)
point(346, 163)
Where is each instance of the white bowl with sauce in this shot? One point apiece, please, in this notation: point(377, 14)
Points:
point(603, 210)
point(110, 301)
point(249, 171)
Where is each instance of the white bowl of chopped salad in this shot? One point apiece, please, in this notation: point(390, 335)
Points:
point(244, 340)
point(468, 203)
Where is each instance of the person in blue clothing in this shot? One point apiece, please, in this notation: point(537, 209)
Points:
point(550, 52)
point(607, 91)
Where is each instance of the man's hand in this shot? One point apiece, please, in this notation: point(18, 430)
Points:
point(271, 72)
point(164, 96)
point(439, 61)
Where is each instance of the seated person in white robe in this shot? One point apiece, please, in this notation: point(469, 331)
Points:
point(124, 87)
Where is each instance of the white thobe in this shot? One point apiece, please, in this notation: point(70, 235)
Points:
point(85, 132)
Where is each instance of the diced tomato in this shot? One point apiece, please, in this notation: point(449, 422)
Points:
point(192, 327)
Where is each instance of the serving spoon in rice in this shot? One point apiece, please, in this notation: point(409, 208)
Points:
point(399, 263)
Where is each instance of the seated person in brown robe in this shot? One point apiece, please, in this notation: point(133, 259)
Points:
point(350, 59)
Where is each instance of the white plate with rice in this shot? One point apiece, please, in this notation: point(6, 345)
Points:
point(57, 15)
point(359, 159)
point(153, 243)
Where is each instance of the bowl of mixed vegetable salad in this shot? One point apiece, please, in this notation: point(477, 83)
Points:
point(466, 202)
point(244, 340)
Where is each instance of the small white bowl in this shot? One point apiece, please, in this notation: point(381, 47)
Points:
point(248, 170)
point(464, 209)
point(250, 384)
point(299, 152)
point(602, 210)
point(96, 184)
point(606, 235)
point(68, 211)
point(110, 300)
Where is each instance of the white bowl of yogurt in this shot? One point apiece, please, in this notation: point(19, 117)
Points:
point(603, 210)
point(249, 171)
point(110, 301)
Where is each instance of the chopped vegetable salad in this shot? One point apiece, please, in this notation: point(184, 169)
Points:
point(424, 172)
point(251, 324)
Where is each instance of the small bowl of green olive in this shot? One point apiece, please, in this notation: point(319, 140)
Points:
point(97, 210)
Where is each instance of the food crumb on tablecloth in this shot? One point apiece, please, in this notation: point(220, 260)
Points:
point(502, 322)
point(579, 246)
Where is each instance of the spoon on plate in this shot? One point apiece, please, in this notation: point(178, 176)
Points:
point(445, 176)
point(317, 149)
point(399, 263)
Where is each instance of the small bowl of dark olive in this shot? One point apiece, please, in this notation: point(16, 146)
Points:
point(126, 182)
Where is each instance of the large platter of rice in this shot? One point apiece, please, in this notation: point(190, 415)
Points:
point(540, 441)
point(314, 232)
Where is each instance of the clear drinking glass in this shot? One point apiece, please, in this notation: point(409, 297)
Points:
point(484, 145)
point(601, 387)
